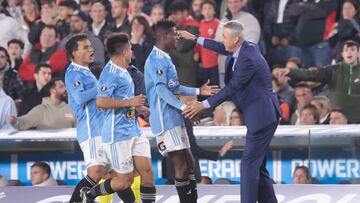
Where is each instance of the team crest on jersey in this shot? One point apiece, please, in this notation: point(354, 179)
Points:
point(159, 72)
point(210, 31)
point(103, 88)
point(77, 83)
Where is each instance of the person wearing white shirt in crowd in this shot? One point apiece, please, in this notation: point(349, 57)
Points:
point(7, 107)
point(41, 175)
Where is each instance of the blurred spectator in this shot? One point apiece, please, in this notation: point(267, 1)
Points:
point(317, 88)
point(252, 30)
point(301, 175)
point(52, 113)
point(338, 117)
point(30, 11)
point(195, 11)
point(309, 115)
point(315, 20)
point(48, 17)
point(65, 11)
point(15, 49)
point(347, 28)
point(33, 96)
point(222, 114)
point(85, 6)
point(282, 87)
point(13, 86)
point(323, 106)
point(236, 118)
point(293, 63)
point(303, 96)
point(183, 54)
point(41, 175)
point(206, 180)
point(157, 14)
point(342, 79)
point(78, 25)
point(208, 68)
point(99, 26)
point(135, 9)
point(11, 29)
point(45, 51)
point(3, 181)
point(13, 8)
point(7, 108)
point(142, 41)
point(278, 31)
point(119, 14)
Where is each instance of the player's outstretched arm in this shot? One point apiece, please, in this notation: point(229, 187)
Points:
point(106, 102)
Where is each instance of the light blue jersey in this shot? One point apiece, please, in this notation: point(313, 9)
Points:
point(119, 124)
point(162, 89)
point(81, 86)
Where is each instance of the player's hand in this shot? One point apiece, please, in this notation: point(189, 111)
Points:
point(208, 90)
point(138, 100)
point(227, 146)
point(186, 35)
point(143, 110)
point(11, 120)
point(196, 57)
point(192, 109)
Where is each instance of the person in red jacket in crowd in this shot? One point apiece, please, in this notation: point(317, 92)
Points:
point(45, 51)
point(209, 65)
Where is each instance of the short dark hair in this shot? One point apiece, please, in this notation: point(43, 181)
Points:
point(314, 110)
point(42, 165)
point(351, 43)
point(69, 4)
point(163, 27)
point(42, 65)
point(340, 110)
point(52, 27)
point(18, 42)
point(116, 43)
point(51, 85)
point(72, 44)
point(295, 60)
point(178, 6)
point(211, 2)
point(302, 85)
point(306, 169)
point(6, 53)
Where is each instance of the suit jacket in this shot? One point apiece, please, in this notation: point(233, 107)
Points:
point(249, 87)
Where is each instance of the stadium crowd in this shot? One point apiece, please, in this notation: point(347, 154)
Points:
point(312, 47)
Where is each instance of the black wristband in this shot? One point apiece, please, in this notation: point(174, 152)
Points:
point(196, 37)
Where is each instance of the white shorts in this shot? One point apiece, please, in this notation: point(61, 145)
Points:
point(91, 150)
point(172, 140)
point(120, 154)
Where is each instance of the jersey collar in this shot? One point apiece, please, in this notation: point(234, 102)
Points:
point(79, 66)
point(166, 54)
point(118, 67)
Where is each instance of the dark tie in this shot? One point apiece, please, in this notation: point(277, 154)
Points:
point(228, 71)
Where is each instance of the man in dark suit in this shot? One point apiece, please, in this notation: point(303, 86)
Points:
point(248, 85)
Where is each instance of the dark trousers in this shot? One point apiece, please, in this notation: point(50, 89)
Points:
point(211, 74)
point(256, 184)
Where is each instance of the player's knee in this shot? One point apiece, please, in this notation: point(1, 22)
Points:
point(96, 172)
point(181, 170)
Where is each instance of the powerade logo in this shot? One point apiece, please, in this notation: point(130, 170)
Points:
point(227, 168)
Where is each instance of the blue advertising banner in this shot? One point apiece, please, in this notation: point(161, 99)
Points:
point(328, 166)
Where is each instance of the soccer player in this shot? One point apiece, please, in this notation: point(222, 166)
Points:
point(166, 120)
point(125, 147)
point(81, 86)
